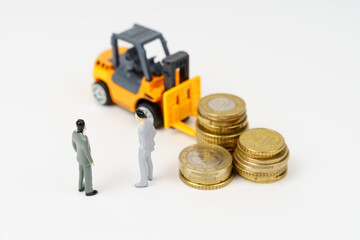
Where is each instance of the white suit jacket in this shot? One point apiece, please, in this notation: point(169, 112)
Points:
point(146, 137)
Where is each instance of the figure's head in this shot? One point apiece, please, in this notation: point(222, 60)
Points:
point(80, 125)
point(140, 115)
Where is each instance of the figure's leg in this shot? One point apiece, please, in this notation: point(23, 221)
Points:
point(150, 167)
point(81, 178)
point(88, 179)
point(143, 171)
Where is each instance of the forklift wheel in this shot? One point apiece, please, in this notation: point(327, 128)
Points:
point(152, 112)
point(101, 93)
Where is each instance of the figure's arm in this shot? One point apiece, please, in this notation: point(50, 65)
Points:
point(87, 151)
point(73, 144)
point(153, 136)
point(154, 131)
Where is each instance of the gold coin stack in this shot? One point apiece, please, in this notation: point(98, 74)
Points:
point(261, 155)
point(205, 166)
point(221, 120)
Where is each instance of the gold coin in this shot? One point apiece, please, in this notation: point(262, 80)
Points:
point(220, 122)
point(206, 186)
point(205, 163)
point(266, 180)
point(260, 168)
point(261, 143)
point(221, 106)
point(227, 141)
point(223, 129)
point(261, 177)
point(208, 177)
point(265, 161)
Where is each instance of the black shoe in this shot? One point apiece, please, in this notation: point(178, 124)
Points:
point(91, 193)
point(81, 189)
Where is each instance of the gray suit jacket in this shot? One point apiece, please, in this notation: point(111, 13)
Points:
point(81, 145)
point(146, 137)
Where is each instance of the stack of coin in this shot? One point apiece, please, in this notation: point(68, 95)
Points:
point(261, 155)
point(221, 120)
point(205, 166)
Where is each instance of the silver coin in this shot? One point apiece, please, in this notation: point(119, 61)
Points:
point(204, 158)
point(221, 104)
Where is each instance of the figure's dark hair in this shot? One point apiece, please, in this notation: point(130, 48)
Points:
point(140, 113)
point(80, 124)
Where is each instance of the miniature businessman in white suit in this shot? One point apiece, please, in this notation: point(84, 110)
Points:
point(81, 145)
point(146, 133)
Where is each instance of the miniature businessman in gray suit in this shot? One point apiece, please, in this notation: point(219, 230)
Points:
point(146, 138)
point(81, 145)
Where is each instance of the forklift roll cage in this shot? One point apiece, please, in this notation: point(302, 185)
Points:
point(138, 36)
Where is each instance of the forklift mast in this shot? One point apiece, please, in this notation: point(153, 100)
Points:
point(179, 60)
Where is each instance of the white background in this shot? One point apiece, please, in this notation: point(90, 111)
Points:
point(295, 63)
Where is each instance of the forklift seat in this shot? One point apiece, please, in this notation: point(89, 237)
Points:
point(132, 61)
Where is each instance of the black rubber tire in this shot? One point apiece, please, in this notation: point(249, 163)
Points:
point(155, 111)
point(106, 90)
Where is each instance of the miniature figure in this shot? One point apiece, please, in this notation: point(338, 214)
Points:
point(81, 145)
point(146, 138)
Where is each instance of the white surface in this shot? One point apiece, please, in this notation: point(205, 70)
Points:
point(295, 63)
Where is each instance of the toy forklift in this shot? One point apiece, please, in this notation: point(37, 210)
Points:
point(163, 90)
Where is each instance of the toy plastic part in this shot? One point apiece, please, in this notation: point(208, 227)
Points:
point(128, 78)
point(180, 102)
